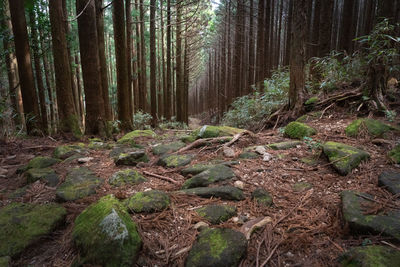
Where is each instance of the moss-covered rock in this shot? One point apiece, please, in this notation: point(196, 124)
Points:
point(208, 131)
point(221, 247)
point(311, 101)
point(353, 213)
point(129, 138)
point(167, 148)
point(262, 197)
point(22, 224)
point(390, 180)
point(309, 116)
point(188, 138)
point(148, 201)
point(5, 261)
point(301, 186)
point(370, 256)
point(394, 154)
point(117, 150)
point(126, 177)
point(212, 175)
point(216, 214)
point(17, 193)
point(131, 158)
point(46, 175)
point(105, 234)
point(373, 127)
point(79, 183)
point(344, 158)
point(38, 163)
point(66, 151)
point(200, 167)
point(284, 145)
point(173, 161)
point(223, 192)
point(248, 155)
point(99, 145)
point(298, 130)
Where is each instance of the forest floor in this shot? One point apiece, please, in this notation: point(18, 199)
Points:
point(307, 227)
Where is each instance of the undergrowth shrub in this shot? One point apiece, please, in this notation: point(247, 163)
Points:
point(172, 124)
point(247, 111)
point(141, 120)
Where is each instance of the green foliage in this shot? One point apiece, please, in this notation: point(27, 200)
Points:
point(249, 110)
point(311, 144)
point(141, 120)
point(172, 124)
point(390, 115)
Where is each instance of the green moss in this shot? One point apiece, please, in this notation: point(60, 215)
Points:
point(249, 155)
point(126, 177)
point(370, 256)
point(129, 138)
point(173, 161)
point(373, 127)
point(22, 224)
point(311, 101)
point(394, 154)
point(167, 148)
point(298, 130)
point(66, 151)
point(262, 197)
point(71, 124)
point(216, 214)
point(302, 186)
point(223, 192)
point(284, 145)
point(47, 175)
point(131, 158)
point(214, 174)
point(149, 201)
point(106, 235)
point(42, 162)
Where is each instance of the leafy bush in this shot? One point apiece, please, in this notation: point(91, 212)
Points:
point(141, 120)
point(249, 110)
point(172, 124)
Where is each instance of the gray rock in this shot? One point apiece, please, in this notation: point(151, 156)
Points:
point(79, 183)
point(220, 247)
point(173, 161)
point(391, 181)
point(84, 160)
point(149, 201)
point(228, 152)
point(260, 150)
point(301, 186)
point(126, 177)
point(198, 168)
point(167, 148)
point(131, 158)
point(262, 197)
point(66, 151)
point(248, 155)
point(46, 175)
point(38, 163)
point(216, 214)
point(284, 145)
point(223, 192)
point(370, 256)
point(213, 175)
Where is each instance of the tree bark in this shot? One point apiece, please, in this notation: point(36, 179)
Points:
point(179, 67)
point(128, 16)
point(153, 77)
point(167, 105)
point(143, 80)
point(325, 29)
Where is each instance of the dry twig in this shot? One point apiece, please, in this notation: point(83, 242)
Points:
point(161, 177)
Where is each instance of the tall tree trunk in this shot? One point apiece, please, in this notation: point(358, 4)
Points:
point(325, 29)
point(167, 92)
point(238, 55)
point(179, 67)
point(250, 69)
point(79, 85)
point(128, 16)
point(87, 29)
point(153, 77)
point(260, 43)
point(137, 92)
point(297, 57)
point(102, 58)
point(289, 33)
point(29, 98)
point(346, 35)
point(186, 64)
point(143, 85)
point(162, 63)
point(49, 87)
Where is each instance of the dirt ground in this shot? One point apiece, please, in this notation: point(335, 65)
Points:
point(307, 228)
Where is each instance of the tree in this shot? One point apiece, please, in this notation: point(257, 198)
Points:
point(167, 105)
point(179, 66)
point(29, 97)
point(153, 78)
point(87, 30)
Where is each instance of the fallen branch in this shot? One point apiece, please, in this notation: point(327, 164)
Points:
point(36, 147)
point(323, 112)
point(201, 142)
point(161, 177)
point(237, 137)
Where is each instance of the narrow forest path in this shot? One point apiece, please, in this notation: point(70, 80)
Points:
point(291, 191)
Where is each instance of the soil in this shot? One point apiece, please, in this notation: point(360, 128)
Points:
point(307, 228)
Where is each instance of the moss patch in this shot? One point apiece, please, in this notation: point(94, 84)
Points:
point(39, 162)
point(216, 214)
point(22, 224)
point(106, 235)
point(310, 116)
point(394, 154)
point(370, 256)
point(298, 130)
point(167, 148)
point(131, 158)
point(284, 145)
point(214, 174)
point(344, 158)
point(126, 177)
point(149, 201)
point(262, 197)
point(66, 151)
point(301, 186)
point(47, 175)
point(173, 161)
point(129, 138)
point(208, 131)
point(217, 247)
point(79, 183)
point(373, 127)
point(312, 101)
point(223, 192)
point(248, 155)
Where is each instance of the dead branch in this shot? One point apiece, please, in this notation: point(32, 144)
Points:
point(237, 137)
point(201, 142)
point(161, 177)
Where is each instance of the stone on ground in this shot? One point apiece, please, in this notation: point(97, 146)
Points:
point(148, 201)
point(131, 158)
point(370, 256)
point(173, 161)
point(105, 234)
point(228, 152)
point(216, 214)
point(373, 127)
point(220, 247)
point(22, 224)
point(66, 151)
point(223, 192)
point(38, 163)
point(248, 155)
point(394, 154)
point(262, 197)
point(126, 177)
point(353, 213)
point(208, 131)
point(200, 167)
point(129, 138)
point(84, 160)
point(298, 130)
point(79, 183)
point(390, 180)
point(301, 186)
point(284, 145)
point(46, 175)
point(344, 158)
point(167, 148)
point(213, 175)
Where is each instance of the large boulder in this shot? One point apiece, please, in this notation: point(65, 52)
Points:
point(167, 148)
point(46, 175)
point(220, 247)
point(130, 137)
point(173, 161)
point(131, 158)
point(79, 183)
point(66, 151)
point(391, 181)
point(298, 130)
point(213, 175)
point(105, 234)
point(344, 158)
point(148, 201)
point(223, 192)
point(353, 213)
point(22, 224)
point(373, 127)
point(126, 177)
point(216, 214)
point(370, 256)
